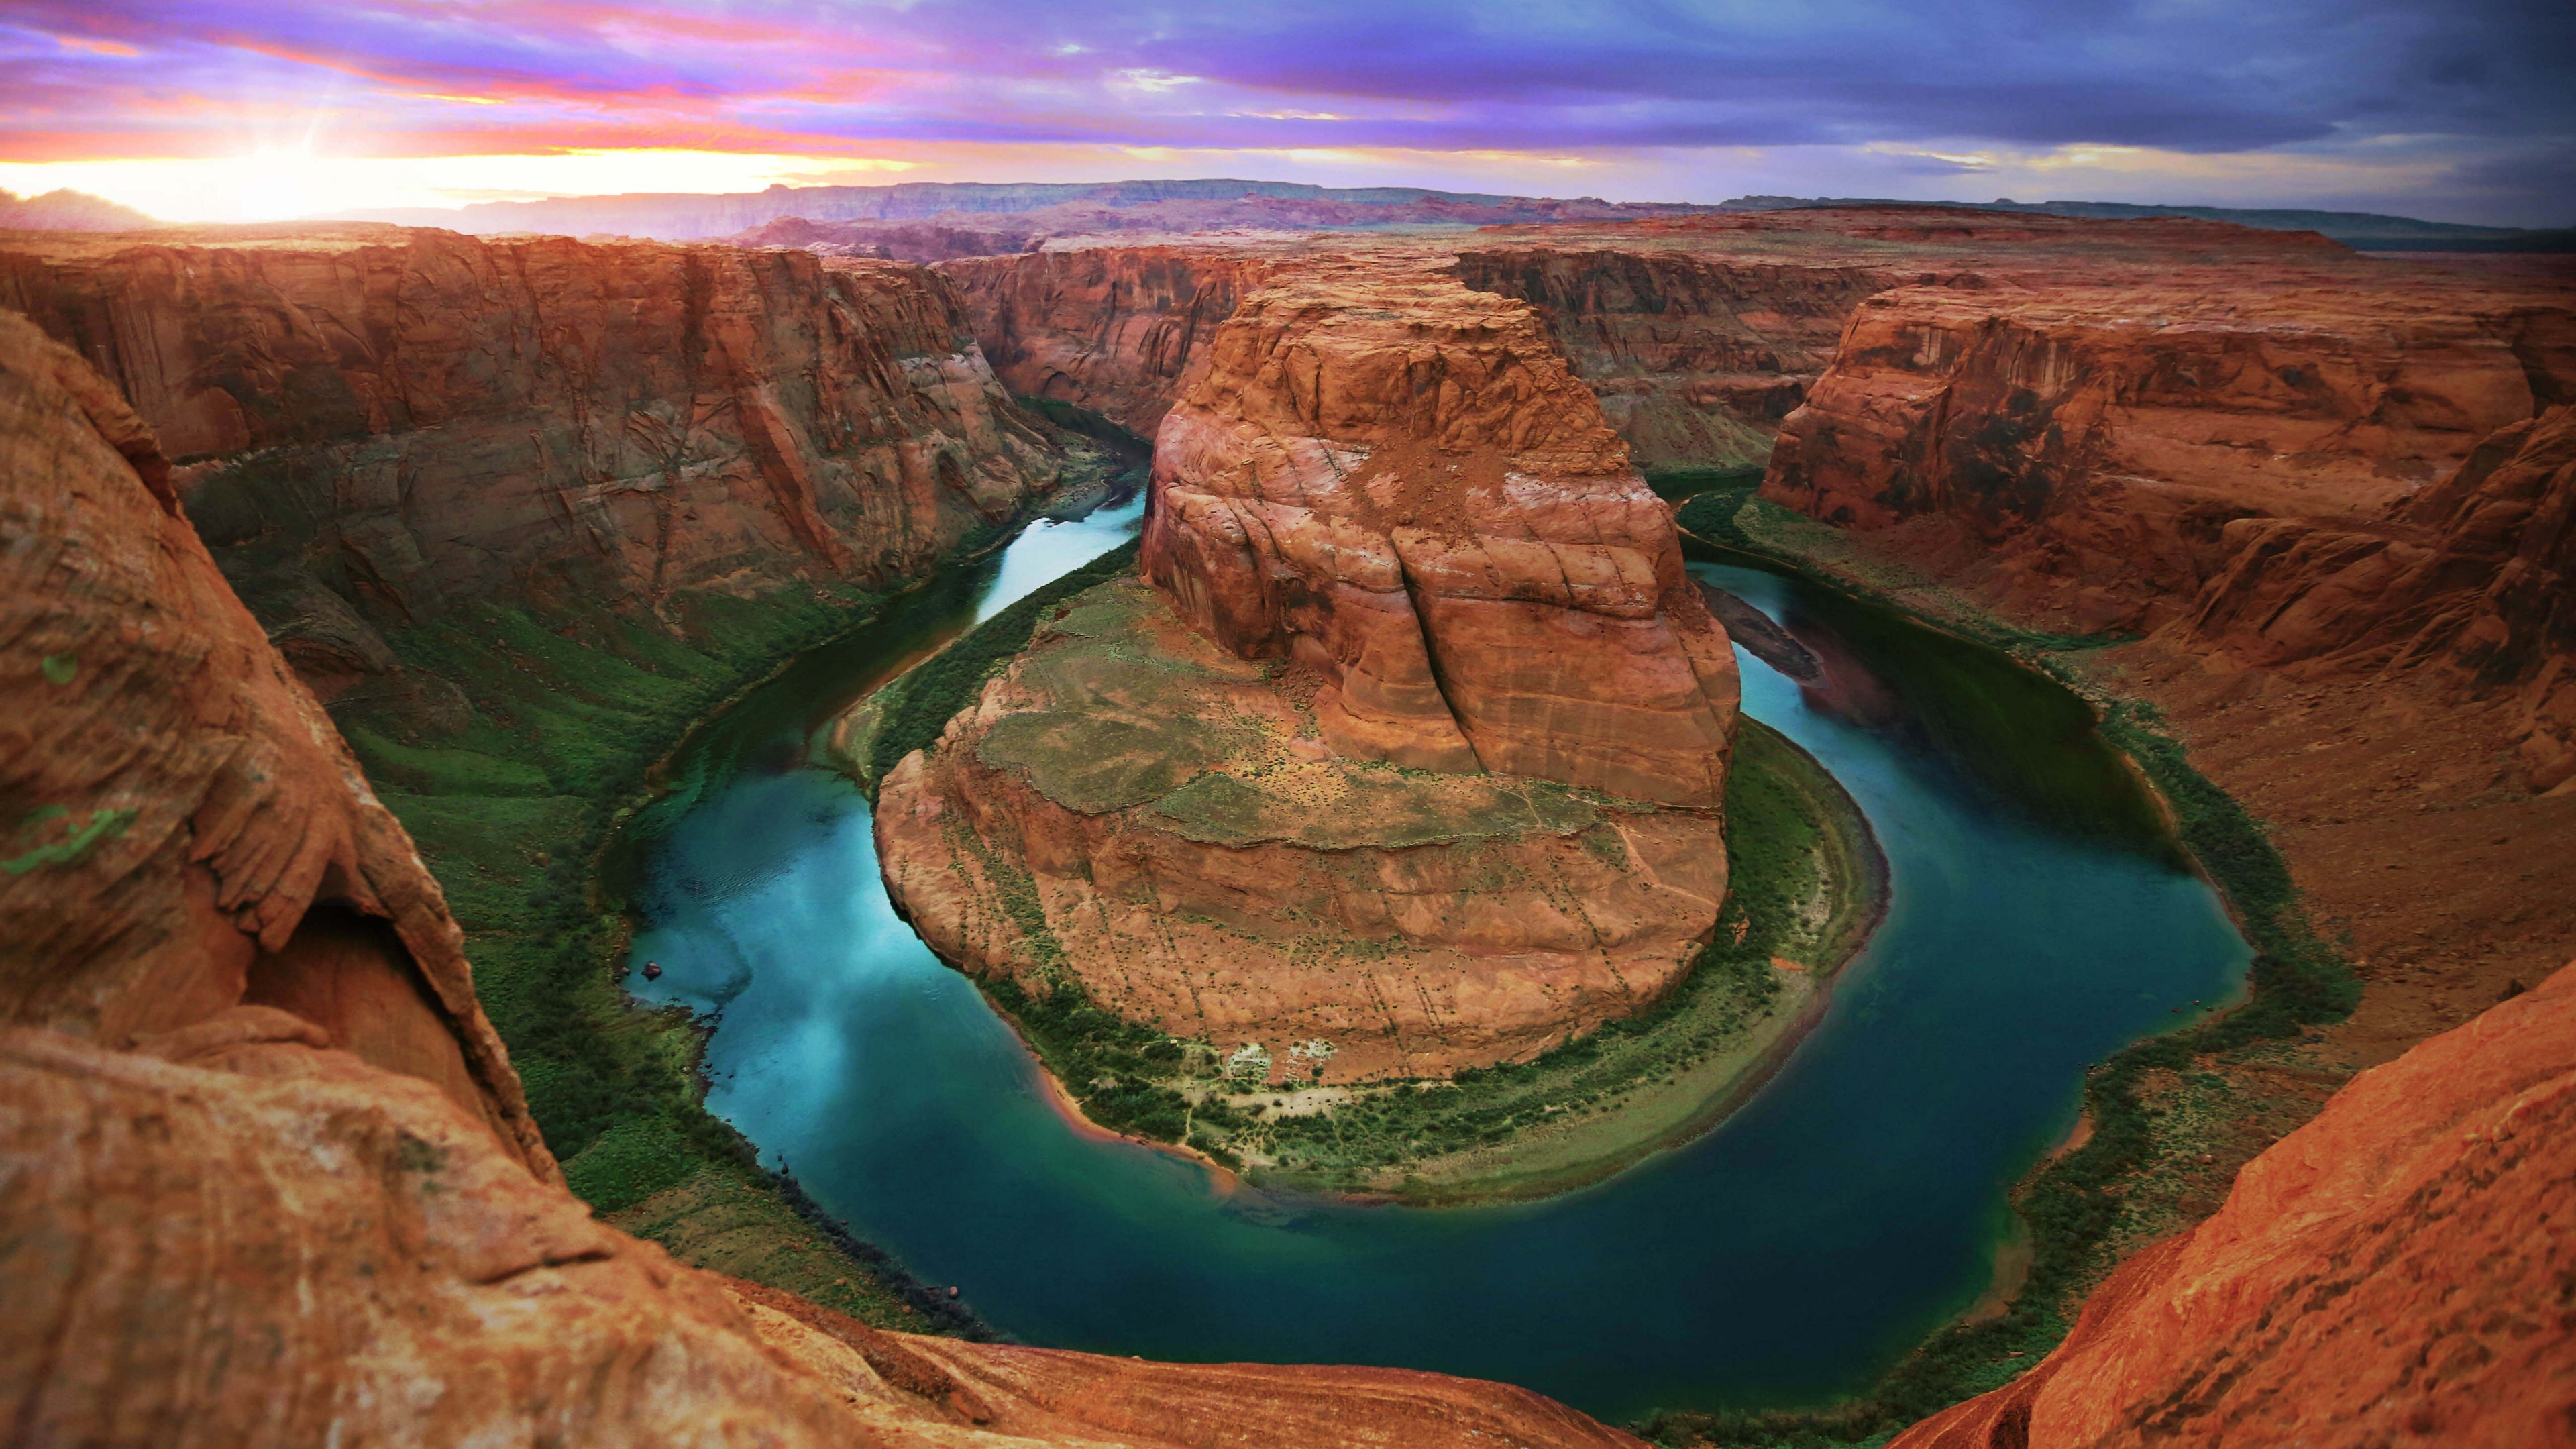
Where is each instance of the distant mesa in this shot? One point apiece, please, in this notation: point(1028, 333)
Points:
point(1164, 205)
point(69, 210)
point(2364, 231)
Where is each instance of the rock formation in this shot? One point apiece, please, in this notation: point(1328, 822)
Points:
point(1396, 482)
point(1115, 330)
point(2475, 576)
point(1166, 823)
point(2087, 442)
point(404, 418)
point(1388, 528)
point(270, 1179)
point(2395, 1271)
point(1696, 357)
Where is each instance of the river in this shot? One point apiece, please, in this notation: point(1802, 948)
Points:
point(2039, 920)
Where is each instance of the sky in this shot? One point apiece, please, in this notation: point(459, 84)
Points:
point(222, 110)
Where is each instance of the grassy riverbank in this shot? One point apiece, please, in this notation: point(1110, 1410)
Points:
point(2159, 1111)
point(549, 744)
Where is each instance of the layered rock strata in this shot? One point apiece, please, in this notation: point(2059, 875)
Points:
point(404, 419)
point(2395, 1271)
point(1412, 759)
point(2086, 445)
point(2474, 577)
point(270, 1179)
point(1114, 330)
point(1696, 357)
point(1396, 482)
point(1165, 824)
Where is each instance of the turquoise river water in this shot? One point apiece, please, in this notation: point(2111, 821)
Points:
point(2039, 920)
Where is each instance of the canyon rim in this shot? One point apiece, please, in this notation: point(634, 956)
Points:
point(700, 746)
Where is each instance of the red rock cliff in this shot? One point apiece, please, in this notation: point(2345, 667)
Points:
point(2474, 577)
point(1696, 357)
point(2088, 441)
point(269, 1176)
point(1112, 329)
point(430, 416)
point(1397, 482)
point(2396, 1271)
point(1387, 526)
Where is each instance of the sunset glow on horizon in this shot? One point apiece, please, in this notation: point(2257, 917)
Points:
point(226, 112)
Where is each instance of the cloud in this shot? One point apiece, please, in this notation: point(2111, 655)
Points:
point(1639, 79)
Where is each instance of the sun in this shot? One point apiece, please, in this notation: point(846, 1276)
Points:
point(277, 185)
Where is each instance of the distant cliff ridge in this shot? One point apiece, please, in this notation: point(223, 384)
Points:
point(2367, 231)
point(68, 210)
point(670, 216)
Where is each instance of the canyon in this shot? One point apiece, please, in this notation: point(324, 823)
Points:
point(1388, 529)
point(2318, 507)
point(245, 1069)
point(2073, 426)
point(402, 416)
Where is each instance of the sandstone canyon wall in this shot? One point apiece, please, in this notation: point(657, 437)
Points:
point(270, 1179)
point(406, 418)
point(1701, 334)
point(1696, 357)
point(1112, 329)
point(2396, 1271)
point(2473, 579)
point(2088, 441)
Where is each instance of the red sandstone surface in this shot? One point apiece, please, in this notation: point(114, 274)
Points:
point(2473, 578)
point(2313, 471)
point(2396, 1271)
point(1167, 825)
point(449, 416)
point(270, 1179)
point(1397, 482)
point(1115, 330)
point(2090, 439)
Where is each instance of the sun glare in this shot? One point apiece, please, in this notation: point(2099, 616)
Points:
point(278, 184)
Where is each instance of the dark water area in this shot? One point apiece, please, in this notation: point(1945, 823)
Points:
point(2038, 921)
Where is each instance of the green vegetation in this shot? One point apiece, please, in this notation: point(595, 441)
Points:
point(915, 708)
point(102, 826)
point(510, 802)
point(2075, 1206)
point(1676, 484)
point(1118, 1072)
